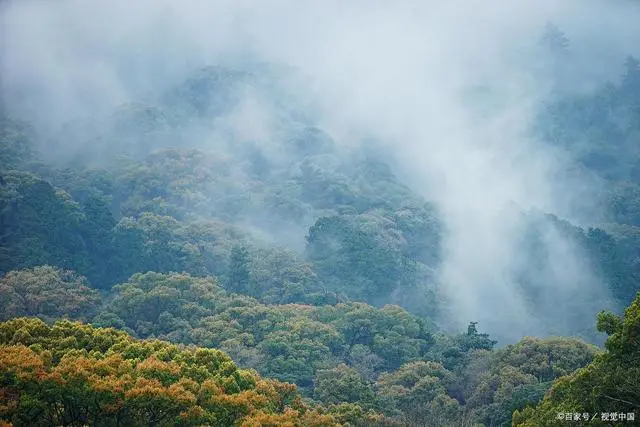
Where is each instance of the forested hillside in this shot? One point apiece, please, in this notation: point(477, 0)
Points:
point(221, 248)
point(74, 374)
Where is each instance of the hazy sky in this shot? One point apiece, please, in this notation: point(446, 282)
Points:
point(401, 72)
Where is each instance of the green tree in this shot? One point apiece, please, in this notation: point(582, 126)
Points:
point(41, 224)
point(16, 143)
point(239, 276)
point(342, 384)
point(46, 292)
point(419, 391)
point(608, 384)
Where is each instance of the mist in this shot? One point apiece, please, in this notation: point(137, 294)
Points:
point(450, 89)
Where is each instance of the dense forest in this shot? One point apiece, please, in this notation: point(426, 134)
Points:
point(164, 264)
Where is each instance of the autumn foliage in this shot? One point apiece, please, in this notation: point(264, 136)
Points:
point(74, 374)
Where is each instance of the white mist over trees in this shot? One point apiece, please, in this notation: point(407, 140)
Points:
point(451, 90)
point(384, 214)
